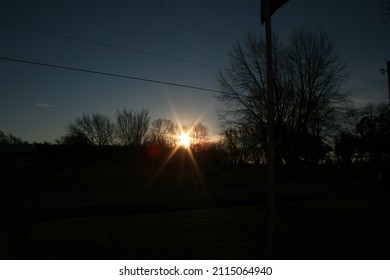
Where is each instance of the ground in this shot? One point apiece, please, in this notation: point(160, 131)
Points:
point(102, 212)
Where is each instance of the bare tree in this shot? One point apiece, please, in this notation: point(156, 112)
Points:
point(9, 139)
point(308, 76)
point(98, 129)
point(199, 133)
point(241, 146)
point(132, 126)
point(198, 136)
point(317, 76)
point(234, 144)
point(163, 133)
point(373, 131)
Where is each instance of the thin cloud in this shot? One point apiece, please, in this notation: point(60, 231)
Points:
point(43, 105)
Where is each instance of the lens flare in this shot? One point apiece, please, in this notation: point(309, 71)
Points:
point(185, 140)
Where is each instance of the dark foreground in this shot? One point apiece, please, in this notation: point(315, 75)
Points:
point(115, 213)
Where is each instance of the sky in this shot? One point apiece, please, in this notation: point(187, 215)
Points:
point(176, 41)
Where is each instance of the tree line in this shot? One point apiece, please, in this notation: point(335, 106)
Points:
point(131, 129)
point(10, 139)
point(313, 113)
point(131, 138)
point(314, 121)
point(366, 138)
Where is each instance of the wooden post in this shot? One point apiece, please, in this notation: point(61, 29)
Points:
point(270, 131)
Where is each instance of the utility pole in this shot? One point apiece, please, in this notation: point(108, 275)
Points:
point(270, 132)
point(268, 7)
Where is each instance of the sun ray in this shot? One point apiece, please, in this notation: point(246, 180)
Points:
point(180, 125)
point(184, 141)
point(161, 168)
point(196, 167)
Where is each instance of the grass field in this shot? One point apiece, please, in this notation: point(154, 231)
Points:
point(116, 213)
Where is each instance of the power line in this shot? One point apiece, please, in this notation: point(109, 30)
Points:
point(108, 74)
point(109, 45)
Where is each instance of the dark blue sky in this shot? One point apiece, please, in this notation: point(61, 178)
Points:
point(36, 103)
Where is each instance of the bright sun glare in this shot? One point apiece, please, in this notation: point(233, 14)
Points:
point(185, 140)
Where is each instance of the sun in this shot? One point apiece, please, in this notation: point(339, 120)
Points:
point(185, 140)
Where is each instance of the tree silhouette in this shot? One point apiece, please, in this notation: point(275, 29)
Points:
point(345, 147)
point(241, 147)
point(199, 134)
point(132, 127)
point(98, 129)
point(308, 75)
point(9, 139)
point(373, 129)
point(77, 139)
point(163, 133)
